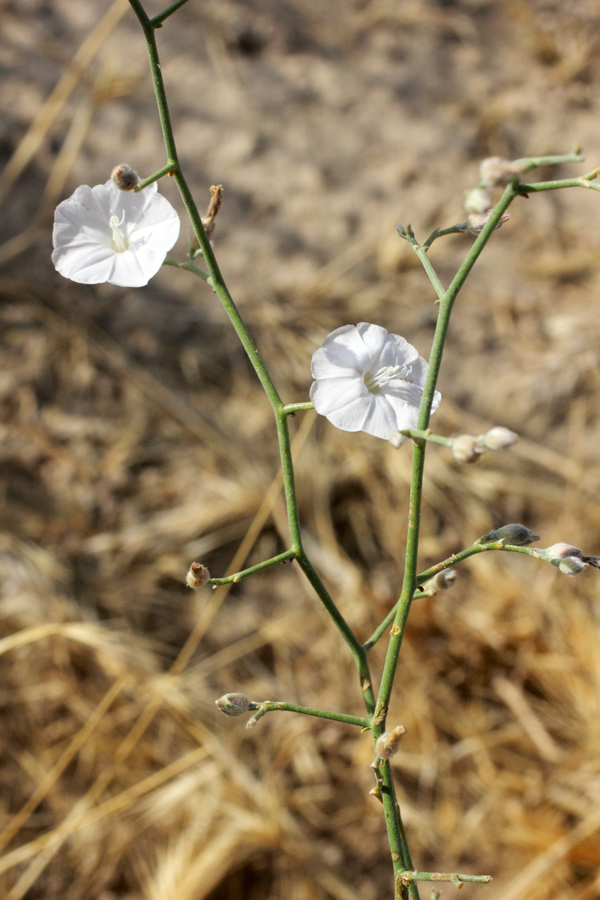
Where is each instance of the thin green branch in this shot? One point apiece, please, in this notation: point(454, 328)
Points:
point(157, 21)
point(456, 879)
point(419, 436)
point(584, 181)
point(534, 162)
point(188, 266)
point(434, 570)
point(356, 648)
point(265, 706)
point(259, 567)
point(290, 409)
point(408, 235)
point(218, 285)
point(166, 170)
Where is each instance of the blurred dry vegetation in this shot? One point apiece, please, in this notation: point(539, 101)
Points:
point(135, 439)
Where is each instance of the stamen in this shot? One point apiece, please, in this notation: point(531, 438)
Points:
point(120, 241)
point(375, 381)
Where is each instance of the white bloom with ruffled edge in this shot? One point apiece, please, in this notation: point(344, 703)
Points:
point(367, 379)
point(104, 234)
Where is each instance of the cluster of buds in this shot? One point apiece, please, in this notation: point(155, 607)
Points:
point(493, 172)
point(468, 449)
point(569, 559)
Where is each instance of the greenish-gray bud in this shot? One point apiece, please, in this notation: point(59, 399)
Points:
point(514, 534)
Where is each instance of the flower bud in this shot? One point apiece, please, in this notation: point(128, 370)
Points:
point(397, 439)
point(466, 448)
point(197, 576)
point(124, 177)
point(388, 743)
point(499, 438)
point(571, 565)
point(560, 551)
point(478, 201)
point(514, 534)
point(444, 580)
point(495, 171)
point(233, 704)
point(476, 221)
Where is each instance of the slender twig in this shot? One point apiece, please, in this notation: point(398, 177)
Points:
point(445, 876)
point(290, 409)
point(160, 18)
point(265, 706)
point(259, 567)
point(166, 170)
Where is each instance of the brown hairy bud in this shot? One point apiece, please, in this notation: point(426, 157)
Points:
point(499, 438)
point(476, 221)
point(233, 704)
point(495, 171)
point(197, 576)
point(514, 534)
point(466, 448)
point(444, 580)
point(387, 745)
point(124, 177)
point(478, 201)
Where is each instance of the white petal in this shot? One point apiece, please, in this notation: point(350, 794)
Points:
point(331, 394)
point(374, 337)
point(381, 421)
point(85, 263)
point(342, 353)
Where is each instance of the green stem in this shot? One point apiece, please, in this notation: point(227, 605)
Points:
point(160, 18)
point(445, 876)
point(441, 567)
point(416, 435)
point(220, 288)
point(266, 706)
point(166, 170)
point(533, 162)
point(290, 409)
point(259, 567)
point(356, 648)
point(408, 235)
point(584, 181)
point(188, 266)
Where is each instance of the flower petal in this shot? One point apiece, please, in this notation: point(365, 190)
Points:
point(331, 394)
point(382, 420)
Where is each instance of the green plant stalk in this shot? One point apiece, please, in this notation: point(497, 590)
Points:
point(409, 585)
point(441, 567)
point(290, 409)
point(259, 567)
point(416, 435)
point(217, 282)
point(534, 162)
point(165, 170)
point(262, 708)
point(446, 876)
point(584, 181)
point(160, 18)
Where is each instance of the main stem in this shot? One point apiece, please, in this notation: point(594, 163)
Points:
point(217, 283)
point(401, 861)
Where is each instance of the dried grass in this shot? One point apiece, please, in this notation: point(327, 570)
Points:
point(133, 441)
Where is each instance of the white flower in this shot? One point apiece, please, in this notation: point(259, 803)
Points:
point(104, 234)
point(368, 380)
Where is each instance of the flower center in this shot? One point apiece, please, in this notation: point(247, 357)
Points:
point(120, 242)
point(374, 381)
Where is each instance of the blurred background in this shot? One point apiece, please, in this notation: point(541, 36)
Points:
point(135, 439)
